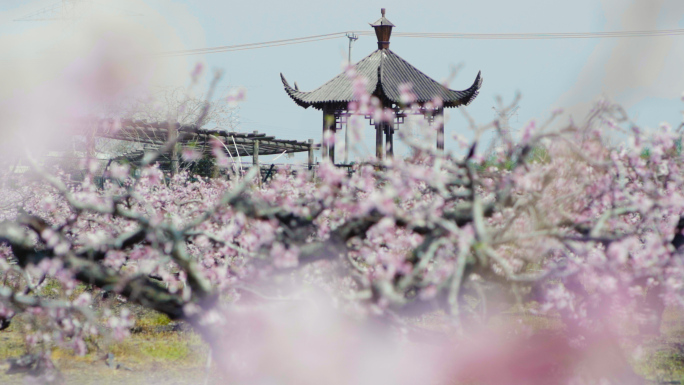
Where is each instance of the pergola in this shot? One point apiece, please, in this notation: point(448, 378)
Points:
point(156, 134)
point(385, 72)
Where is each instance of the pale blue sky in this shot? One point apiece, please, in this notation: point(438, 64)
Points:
point(643, 73)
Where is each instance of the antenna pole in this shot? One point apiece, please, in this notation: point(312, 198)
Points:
point(352, 38)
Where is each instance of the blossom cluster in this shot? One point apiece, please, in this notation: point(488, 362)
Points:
point(561, 223)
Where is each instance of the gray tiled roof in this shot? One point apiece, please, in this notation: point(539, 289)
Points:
point(385, 71)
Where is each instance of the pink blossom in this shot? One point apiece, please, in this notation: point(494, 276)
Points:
point(527, 131)
point(82, 300)
point(406, 94)
point(190, 154)
point(197, 71)
point(236, 96)
point(284, 257)
point(118, 171)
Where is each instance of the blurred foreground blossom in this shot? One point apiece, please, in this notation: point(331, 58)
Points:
point(425, 269)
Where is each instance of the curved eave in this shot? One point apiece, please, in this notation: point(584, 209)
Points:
point(450, 98)
point(454, 98)
point(465, 97)
point(296, 95)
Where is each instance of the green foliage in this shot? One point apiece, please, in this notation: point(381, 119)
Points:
point(492, 161)
point(646, 152)
point(52, 288)
point(204, 167)
point(537, 154)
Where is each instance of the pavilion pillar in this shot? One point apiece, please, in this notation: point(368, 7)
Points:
point(389, 140)
point(331, 150)
point(439, 119)
point(311, 154)
point(379, 128)
point(328, 122)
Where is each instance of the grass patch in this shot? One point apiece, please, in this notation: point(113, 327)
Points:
point(11, 344)
point(662, 358)
point(662, 363)
point(152, 319)
point(148, 351)
point(168, 351)
point(518, 321)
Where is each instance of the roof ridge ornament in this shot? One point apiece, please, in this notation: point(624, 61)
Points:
point(383, 30)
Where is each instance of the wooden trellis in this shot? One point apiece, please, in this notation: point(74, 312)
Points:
point(235, 144)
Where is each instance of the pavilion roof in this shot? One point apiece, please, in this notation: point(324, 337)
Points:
point(384, 71)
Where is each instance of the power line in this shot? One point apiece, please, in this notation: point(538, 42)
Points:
point(71, 10)
point(543, 35)
point(432, 35)
point(242, 47)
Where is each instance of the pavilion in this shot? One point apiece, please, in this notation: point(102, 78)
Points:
point(385, 72)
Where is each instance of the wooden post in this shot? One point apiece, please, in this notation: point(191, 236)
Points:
point(439, 118)
point(173, 137)
point(389, 140)
point(311, 154)
point(378, 140)
point(255, 152)
point(90, 145)
point(89, 136)
point(255, 158)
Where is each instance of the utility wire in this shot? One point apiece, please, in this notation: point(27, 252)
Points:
point(431, 35)
point(546, 36)
point(242, 47)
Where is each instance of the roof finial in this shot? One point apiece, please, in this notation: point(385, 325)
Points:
point(383, 30)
